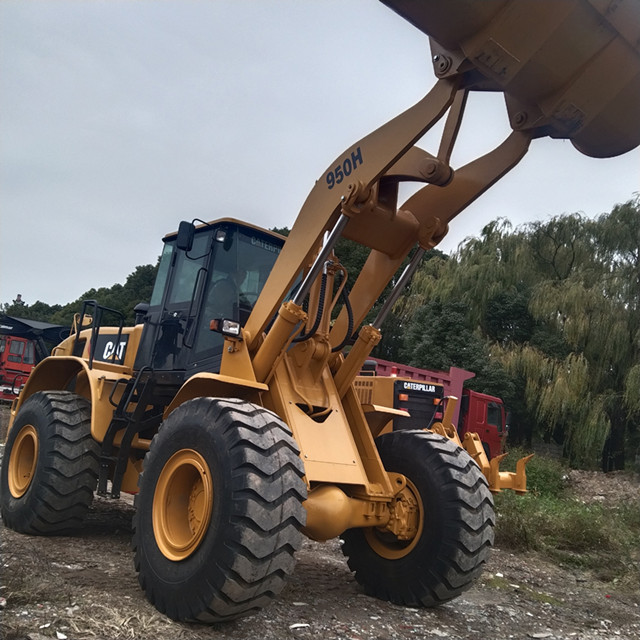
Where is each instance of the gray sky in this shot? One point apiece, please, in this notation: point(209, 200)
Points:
point(118, 119)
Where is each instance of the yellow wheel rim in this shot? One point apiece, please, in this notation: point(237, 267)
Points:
point(23, 461)
point(409, 508)
point(182, 504)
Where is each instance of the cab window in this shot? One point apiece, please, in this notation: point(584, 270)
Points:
point(239, 269)
point(188, 264)
point(29, 354)
point(163, 274)
point(16, 349)
point(494, 416)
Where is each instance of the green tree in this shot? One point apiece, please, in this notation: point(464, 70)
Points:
point(398, 323)
point(439, 337)
point(37, 311)
point(122, 298)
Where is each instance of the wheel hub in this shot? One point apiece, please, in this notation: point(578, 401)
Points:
point(405, 516)
point(182, 504)
point(402, 532)
point(23, 460)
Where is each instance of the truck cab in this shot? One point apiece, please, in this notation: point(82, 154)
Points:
point(485, 415)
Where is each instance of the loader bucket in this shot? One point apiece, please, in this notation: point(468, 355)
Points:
point(568, 68)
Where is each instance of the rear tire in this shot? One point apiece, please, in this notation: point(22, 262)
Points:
point(219, 513)
point(50, 466)
point(455, 530)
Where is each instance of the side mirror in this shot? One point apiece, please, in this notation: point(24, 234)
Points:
point(186, 233)
point(141, 311)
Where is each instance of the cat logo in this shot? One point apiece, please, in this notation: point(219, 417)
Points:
point(109, 349)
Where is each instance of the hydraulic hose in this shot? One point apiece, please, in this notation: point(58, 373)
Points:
point(347, 303)
point(316, 323)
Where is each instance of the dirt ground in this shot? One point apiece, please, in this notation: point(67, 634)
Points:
point(86, 587)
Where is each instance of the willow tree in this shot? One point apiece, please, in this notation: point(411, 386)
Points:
point(444, 315)
point(558, 301)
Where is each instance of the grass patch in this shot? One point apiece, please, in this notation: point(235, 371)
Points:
point(602, 538)
point(545, 476)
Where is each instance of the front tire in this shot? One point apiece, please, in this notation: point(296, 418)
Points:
point(219, 513)
point(454, 524)
point(50, 466)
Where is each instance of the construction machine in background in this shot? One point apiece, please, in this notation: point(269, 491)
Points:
point(230, 408)
point(23, 343)
point(17, 359)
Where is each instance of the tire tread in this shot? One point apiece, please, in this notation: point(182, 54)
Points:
point(266, 513)
point(438, 572)
point(61, 492)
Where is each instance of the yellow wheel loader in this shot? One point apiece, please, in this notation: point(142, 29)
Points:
point(230, 409)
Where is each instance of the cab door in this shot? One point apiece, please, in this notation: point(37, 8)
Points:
point(170, 319)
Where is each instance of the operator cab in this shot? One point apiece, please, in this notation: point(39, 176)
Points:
point(208, 272)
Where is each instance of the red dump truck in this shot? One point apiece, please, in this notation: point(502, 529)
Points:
point(475, 412)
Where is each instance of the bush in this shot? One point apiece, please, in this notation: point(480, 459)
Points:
point(602, 538)
point(545, 476)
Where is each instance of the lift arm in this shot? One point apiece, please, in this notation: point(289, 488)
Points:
point(568, 69)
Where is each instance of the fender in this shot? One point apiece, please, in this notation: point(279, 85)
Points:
point(219, 386)
point(70, 373)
